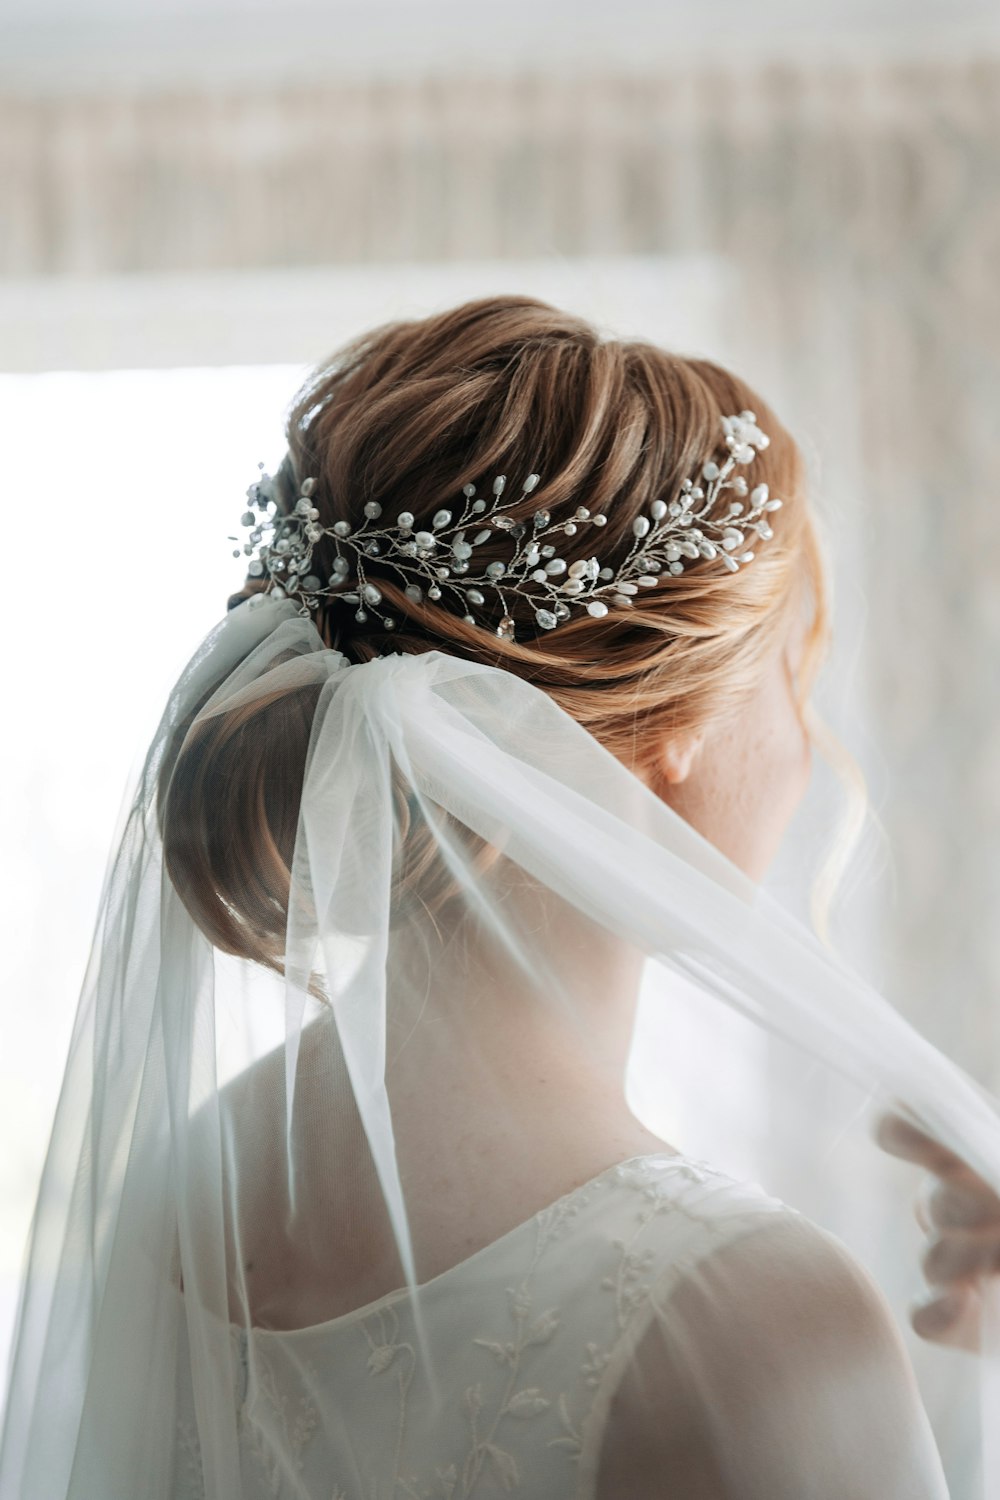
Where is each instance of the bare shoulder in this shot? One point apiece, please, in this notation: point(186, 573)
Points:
point(773, 1368)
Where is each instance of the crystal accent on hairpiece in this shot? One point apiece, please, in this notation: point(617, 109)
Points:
point(437, 560)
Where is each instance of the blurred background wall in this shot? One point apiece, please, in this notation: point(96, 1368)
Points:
point(198, 200)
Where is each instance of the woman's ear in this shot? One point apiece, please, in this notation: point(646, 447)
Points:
point(678, 756)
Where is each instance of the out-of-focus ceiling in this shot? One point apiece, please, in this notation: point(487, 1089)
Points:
point(74, 44)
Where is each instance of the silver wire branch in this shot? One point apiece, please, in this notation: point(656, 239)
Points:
point(438, 560)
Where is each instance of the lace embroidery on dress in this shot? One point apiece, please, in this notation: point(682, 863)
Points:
point(512, 1408)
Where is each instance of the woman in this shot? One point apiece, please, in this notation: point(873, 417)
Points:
point(386, 1226)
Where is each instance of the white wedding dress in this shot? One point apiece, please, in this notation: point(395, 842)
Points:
point(576, 1348)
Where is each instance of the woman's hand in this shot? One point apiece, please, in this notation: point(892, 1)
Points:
point(961, 1217)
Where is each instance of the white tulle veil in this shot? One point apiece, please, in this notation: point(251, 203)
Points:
point(207, 1098)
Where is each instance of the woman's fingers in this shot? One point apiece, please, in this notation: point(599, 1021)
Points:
point(951, 1318)
point(961, 1255)
point(961, 1203)
point(960, 1214)
point(900, 1137)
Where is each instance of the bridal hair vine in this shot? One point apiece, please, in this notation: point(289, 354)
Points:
point(438, 562)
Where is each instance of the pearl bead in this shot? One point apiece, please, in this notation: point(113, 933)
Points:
point(372, 510)
point(499, 483)
point(425, 539)
point(433, 592)
point(530, 483)
point(481, 537)
point(372, 594)
point(475, 597)
point(577, 569)
point(496, 570)
point(555, 566)
point(308, 485)
point(468, 490)
point(658, 510)
point(341, 528)
point(414, 593)
point(640, 526)
point(597, 608)
point(759, 494)
point(441, 518)
point(404, 520)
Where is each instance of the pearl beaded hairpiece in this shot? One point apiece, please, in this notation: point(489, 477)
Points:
point(439, 561)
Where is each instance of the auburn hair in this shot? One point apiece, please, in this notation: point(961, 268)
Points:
point(405, 416)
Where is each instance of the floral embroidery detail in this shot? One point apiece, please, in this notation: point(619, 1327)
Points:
point(571, 1439)
point(531, 1370)
point(188, 1440)
point(296, 1423)
point(527, 1403)
point(385, 1346)
point(594, 1365)
point(652, 1174)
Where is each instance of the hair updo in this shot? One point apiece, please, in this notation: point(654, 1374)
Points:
point(405, 416)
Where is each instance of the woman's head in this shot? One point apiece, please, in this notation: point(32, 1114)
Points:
point(407, 415)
